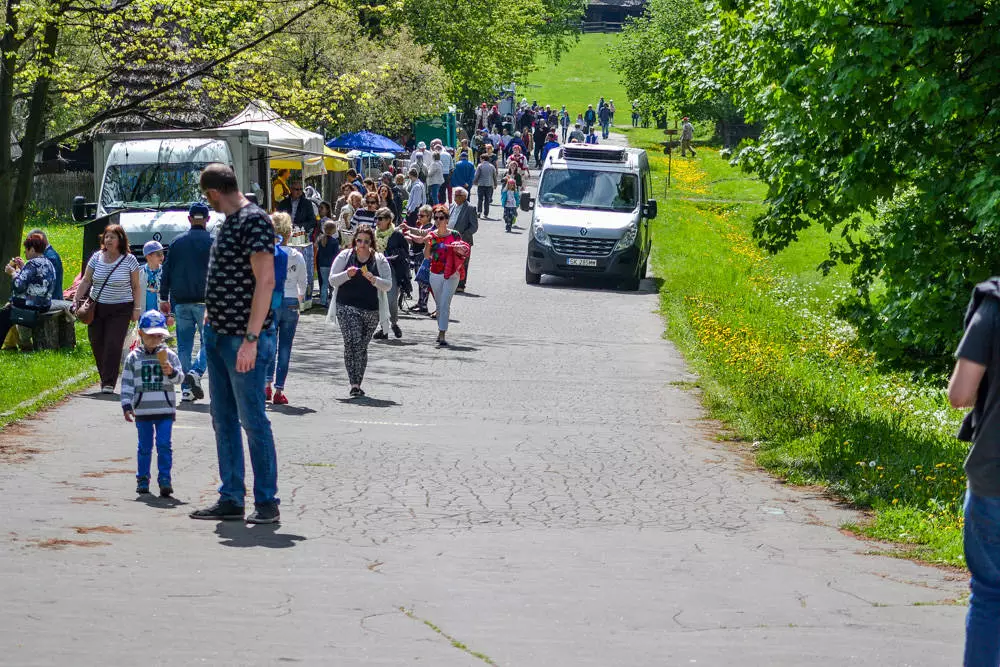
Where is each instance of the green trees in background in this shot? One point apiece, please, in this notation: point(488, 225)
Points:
point(880, 123)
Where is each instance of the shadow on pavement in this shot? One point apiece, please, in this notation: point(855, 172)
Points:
point(189, 406)
point(239, 534)
point(369, 402)
point(291, 410)
point(460, 348)
point(100, 396)
point(158, 502)
point(584, 284)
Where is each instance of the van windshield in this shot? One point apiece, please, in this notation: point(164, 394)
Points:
point(582, 188)
point(151, 185)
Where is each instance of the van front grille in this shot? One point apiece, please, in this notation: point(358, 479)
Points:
point(582, 246)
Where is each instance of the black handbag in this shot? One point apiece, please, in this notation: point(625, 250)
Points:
point(25, 317)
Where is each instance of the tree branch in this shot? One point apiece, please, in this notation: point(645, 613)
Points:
point(125, 108)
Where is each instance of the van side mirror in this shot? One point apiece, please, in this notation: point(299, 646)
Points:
point(82, 211)
point(527, 203)
point(650, 208)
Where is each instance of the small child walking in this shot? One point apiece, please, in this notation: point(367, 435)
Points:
point(510, 199)
point(148, 398)
point(152, 274)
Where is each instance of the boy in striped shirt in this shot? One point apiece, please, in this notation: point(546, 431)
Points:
point(151, 371)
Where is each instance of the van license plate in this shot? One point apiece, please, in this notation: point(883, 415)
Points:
point(581, 261)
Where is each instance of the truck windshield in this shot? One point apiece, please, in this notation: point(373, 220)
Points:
point(582, 188)
point(151, 185)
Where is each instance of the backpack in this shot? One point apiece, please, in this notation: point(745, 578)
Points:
point(280, 274)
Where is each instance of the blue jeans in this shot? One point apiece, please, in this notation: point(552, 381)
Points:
point(604, 129)
point(160, 430)
point(432, 196)
point(190, 319)
point(238, 400)
point(286, 320)
point(982, 555)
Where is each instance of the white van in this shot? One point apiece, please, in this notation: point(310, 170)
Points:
point(147, 180)
point(591, 215)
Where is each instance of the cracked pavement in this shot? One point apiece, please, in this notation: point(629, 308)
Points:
point(544, 493)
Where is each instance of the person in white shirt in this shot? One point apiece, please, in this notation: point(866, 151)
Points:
point(417, 198)
point(286, 316)
point(447, 165)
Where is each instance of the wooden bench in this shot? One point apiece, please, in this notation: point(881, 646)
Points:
point(55, 329)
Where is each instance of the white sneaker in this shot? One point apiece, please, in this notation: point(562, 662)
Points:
point(187, 395)
point(107, 389)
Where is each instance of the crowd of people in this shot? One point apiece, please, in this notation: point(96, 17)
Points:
point(241, 291)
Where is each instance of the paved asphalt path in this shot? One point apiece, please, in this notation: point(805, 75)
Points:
point(545, 492)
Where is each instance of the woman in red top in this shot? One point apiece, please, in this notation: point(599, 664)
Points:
point(446, 251)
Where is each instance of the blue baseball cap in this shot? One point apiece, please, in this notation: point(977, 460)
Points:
point(149, 247)
point(153, 322)
point(198, 210)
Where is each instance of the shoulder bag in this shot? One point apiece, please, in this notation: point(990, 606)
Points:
point(85, 310)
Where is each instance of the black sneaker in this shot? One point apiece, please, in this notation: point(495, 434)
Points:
point(166, 490)
point(194, 380)
point(224, 510)
point(380, 335)
point(396, 331)
point(264, 514)
point(355, 392)
point(142, 485)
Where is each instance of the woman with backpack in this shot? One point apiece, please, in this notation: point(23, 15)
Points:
point(360, 278)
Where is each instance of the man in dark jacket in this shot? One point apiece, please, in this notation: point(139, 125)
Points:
point(541, 131)
point(604, 115)
point(51, 255)
point(516, 141)
point(301, 210)
point(185, 271)
point(463, 219)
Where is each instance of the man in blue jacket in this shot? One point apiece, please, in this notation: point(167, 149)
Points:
point(463, 172)
point(185, 271)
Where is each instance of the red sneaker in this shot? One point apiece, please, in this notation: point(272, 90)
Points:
point(280, 398)
point(267, 393)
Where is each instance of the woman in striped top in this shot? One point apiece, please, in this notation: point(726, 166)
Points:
point(112, 280)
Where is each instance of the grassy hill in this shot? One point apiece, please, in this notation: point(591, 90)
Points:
point(582, 75)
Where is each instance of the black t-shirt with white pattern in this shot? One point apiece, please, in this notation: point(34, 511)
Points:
point(230, 285)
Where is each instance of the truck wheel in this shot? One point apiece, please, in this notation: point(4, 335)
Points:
point(645, 266)
point(631, 284)
point(529, 277)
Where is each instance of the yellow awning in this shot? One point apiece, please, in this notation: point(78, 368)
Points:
point(334, 161)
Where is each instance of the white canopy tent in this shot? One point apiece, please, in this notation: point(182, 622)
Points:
point(305, 149)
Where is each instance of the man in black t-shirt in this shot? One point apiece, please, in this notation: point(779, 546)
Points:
point(239, 340)
point(975, 383)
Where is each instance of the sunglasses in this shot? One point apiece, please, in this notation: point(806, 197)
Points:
point(440, 217)
point(362, 242)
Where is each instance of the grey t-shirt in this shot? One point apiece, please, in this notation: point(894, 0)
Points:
point(979, 345)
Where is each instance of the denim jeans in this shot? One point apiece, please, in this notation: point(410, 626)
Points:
point(982, 555)
point(238, 400)
point(432, 194)
point(286, 321)
point(190, 319)
point(604, 130)
point(159, 430)
point(324, 286)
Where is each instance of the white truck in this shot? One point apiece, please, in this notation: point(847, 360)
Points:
point(146, 181)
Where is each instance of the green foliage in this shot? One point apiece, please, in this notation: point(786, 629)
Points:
point(882, 110)
point(779, 367)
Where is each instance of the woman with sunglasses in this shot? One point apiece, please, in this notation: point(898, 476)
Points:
point(366, 214)
point(360, 278)
point(446, 251)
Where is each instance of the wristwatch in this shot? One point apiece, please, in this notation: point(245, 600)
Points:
point(251, 337)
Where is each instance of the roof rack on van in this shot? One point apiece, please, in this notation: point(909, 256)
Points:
point(593, 153)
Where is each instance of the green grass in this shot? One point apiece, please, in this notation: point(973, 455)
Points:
point(581, 77)
point(31, 381)
point(786, 375)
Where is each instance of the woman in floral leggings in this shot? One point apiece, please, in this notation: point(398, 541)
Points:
point(360, 278)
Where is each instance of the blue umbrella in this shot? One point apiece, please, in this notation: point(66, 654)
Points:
point(365, 141)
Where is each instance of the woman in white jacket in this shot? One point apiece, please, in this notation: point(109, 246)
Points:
point(435, 178)
point(360, 278)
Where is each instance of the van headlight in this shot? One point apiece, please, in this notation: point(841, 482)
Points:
point(539, 233)
point(628, 238)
